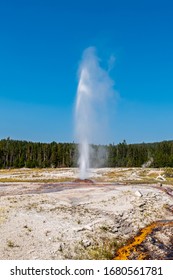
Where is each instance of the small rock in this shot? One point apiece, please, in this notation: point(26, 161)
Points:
point(60, 247)
point(160, 177)
point(141, 204)
point(117, 225)
point(84, 228)
point(120, 214)
point(88, 228)
point(138, 193)
point(114, 229)
point(86, 243)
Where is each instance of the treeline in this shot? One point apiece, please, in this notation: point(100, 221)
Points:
point(159, 154)
point(18, 154)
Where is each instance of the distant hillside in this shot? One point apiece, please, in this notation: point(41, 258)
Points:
point(18, 154)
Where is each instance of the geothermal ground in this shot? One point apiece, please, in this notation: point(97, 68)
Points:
point(123, 214)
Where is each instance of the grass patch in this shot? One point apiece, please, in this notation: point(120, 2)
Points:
point(168, 172)
point(104, 251)
point(34, 180)
point(104, 228)
point(11, 244)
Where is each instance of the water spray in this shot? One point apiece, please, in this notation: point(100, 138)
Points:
point(94, 87)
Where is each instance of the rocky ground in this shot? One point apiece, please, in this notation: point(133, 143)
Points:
point(44, 219)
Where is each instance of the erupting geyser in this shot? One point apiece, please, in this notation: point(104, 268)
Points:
point(93, 87)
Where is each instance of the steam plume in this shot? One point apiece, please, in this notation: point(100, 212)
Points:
point(94, 87)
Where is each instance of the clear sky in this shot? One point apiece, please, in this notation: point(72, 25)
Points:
point(41, 43)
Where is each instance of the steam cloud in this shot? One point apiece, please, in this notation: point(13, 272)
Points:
point(94, 88)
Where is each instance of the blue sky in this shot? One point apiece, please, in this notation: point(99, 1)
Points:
point(41, 44)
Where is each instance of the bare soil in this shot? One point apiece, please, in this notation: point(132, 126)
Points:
point(44, 214)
